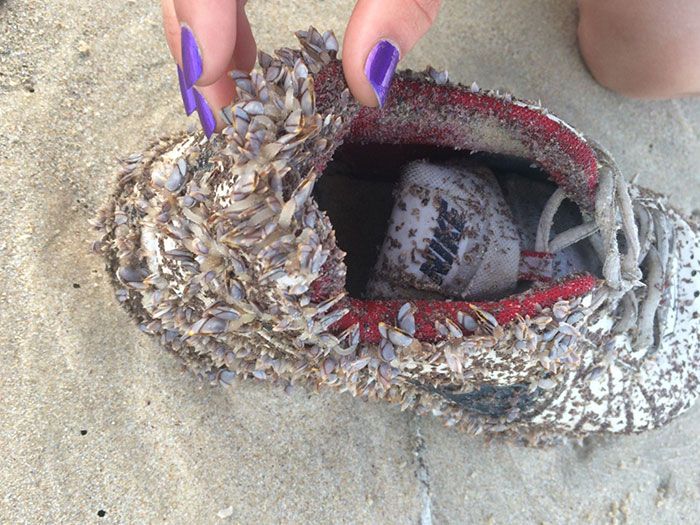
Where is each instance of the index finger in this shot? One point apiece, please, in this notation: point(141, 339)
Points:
point(207, 38)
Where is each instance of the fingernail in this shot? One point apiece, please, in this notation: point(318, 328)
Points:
point(380, 67)
point(206, 117)
point(191, 59)
point(187, 93)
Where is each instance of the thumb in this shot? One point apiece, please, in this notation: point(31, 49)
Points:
point(378, 35)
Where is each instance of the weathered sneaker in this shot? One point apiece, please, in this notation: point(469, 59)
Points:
point(500, 272)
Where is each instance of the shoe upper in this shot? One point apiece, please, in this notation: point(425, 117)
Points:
point(218, 247)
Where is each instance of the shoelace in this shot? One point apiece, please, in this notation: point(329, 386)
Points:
point(648, 244)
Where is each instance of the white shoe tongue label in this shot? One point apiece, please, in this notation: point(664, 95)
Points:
point(443, 248)
point(447, 259)
point(450, 233)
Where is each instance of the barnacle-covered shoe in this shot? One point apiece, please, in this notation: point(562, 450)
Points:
point(232, 252)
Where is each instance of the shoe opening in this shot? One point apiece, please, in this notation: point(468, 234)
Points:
point(422, 222)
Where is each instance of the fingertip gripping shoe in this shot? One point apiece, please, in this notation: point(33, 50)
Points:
point(228, 250)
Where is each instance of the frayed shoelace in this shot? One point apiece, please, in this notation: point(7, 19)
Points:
point(648, 244)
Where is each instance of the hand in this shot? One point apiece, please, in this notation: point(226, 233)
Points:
point(209, 38)
point(642, 49)
point(379, 33)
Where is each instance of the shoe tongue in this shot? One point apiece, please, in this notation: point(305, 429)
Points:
point(451, 234)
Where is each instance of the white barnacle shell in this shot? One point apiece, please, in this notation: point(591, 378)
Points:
point(293, 123)
point(546, 383)
point(332, 318)
point(253, 108)
point(406, 319)
point(245, 183)
point(259, 374)
point(385, 374)
point(520, 330)
point(208, 326)
point(399, 337)
point(386, 350)
point(439, 77)
point(131, 276)
point(177, 176)
point(485, 316)
point(308, 97)
point(303, 191)
point(549, 335)
point(300, 69)
point(244, 90)
point(441, 329)
point(453, 360)
point(158, 177)
point(227, 115)
point(467, 321)
point(330, 42)
point(454, 330)
point(227, 376)
point(560, 310)
point(349, 340)
point(328, 365)
point(521, 345)
point(567, 329)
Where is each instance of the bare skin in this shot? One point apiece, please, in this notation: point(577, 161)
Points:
point(403, 22)
point(643, 49)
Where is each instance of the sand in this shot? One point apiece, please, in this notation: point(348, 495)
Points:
point(98, 425)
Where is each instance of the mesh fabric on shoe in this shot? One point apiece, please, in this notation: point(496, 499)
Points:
point(455, 232)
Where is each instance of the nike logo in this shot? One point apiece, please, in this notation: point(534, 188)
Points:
point(442, 249)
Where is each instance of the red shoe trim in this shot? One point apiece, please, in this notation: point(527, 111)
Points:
point(370, 313)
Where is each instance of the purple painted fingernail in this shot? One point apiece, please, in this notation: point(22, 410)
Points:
point(380, 67)
point(206, 117)
point(187, 93)
point(191, 59)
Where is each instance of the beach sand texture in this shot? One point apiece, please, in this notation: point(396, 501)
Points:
point(97, 425)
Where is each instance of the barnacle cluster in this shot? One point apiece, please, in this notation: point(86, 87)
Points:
point(218, 248)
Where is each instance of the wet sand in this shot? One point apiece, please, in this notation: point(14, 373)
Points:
point(98, 425)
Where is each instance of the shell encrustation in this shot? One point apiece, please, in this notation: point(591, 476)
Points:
point(218, 248)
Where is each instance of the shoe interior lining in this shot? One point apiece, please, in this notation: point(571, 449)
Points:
point(356, 190)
